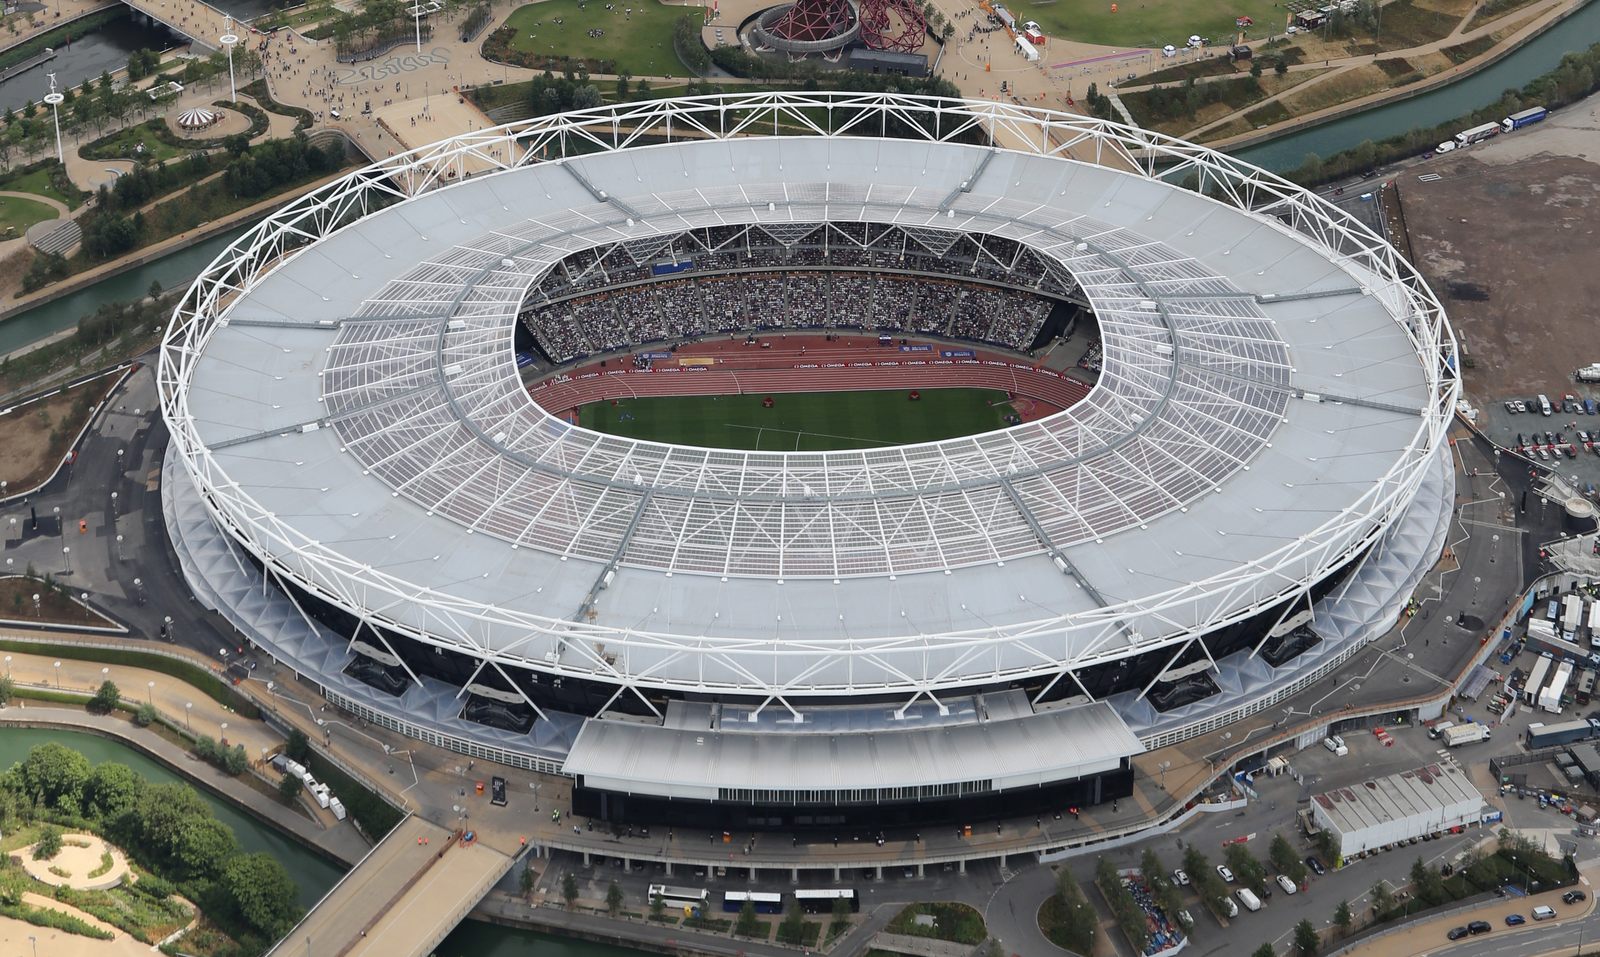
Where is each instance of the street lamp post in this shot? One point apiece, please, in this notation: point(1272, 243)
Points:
point(150, 693)
point(119, 548)
point(416, 13)
point(223, 734)
point(66, 556)
point(188, 709)
point(54, 100)
point(58, 676)
point(229, 40)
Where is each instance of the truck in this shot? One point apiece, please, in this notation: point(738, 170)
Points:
point(1550, 697)
point(1528, 117)
point(1477, 134)
point(1541, 735)
point(1594, 624)
point(1590, 373)
point(1541, 671)
point(1440, 728)
point(1248, 898)
point(1571, 617)
point(1465, 734)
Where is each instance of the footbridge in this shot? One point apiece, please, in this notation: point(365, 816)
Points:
point(202, 23)
point(402, 899)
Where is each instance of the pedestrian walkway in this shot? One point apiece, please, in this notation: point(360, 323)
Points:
point(919, 946)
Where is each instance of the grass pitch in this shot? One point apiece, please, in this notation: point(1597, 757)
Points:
point(640, 41)
point(1148, 23)
point(801, 422)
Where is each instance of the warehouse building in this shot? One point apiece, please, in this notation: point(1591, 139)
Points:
point(1376, 814)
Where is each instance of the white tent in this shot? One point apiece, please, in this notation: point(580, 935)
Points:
point(1028, 49)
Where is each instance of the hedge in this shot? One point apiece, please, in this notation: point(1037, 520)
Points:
point(258, 91)
point(212, 686)
point(376, 816)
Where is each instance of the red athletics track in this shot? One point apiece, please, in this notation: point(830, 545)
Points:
point(810, 363)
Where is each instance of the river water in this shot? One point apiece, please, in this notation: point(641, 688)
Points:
point(1577, 32)
point(313, 874)
point(103, 50)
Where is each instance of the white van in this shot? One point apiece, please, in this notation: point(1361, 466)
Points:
point(1543, 912)
point(1544, 404)
point(1287, 885)
point(1248, 898)
point(1440, 728)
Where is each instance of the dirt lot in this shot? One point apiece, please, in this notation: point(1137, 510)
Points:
point(1506, 236)
point(33, 437)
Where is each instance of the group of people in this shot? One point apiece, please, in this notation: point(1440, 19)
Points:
point(817, 299)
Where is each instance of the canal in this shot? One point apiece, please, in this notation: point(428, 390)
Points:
point(1513, 71)
point(103, 50)
point(313, 874)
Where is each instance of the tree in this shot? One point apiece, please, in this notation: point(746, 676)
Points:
point(262, 892)
point(586, 97)
point(793, 928)
point(569, 889)
point(106, 699)
point(1306, 939)
point(614, 899)
point(155, 293)
point(1327, 844)
point(1265, 950)
point(113, 790)
point(1255, 69)
point(1382, 900)
point(841, 913)
point(145, 716)
point(1081, 922)
point(1286, 859)
point(1343, 919)
point(289, 788)
point(658, 907)
point(1426, 883)
point(8, 690)
point(525, 882)
point(1245, 866)
point(55, 776)
point(48, 845)
point(622, 86)
point(1281, 67)
point(748, 924)
point(297, 747)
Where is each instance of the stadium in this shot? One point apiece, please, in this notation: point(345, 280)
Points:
point(400, 463)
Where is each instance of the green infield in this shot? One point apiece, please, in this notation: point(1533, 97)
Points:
point(803, 421)
point(1149, 23)
point(637, 37)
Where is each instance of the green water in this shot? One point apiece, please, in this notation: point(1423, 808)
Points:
point(313, 874)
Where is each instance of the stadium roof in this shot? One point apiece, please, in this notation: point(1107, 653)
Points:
point(696, 763)
point(357, 414)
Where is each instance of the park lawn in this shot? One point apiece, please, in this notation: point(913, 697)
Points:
point(801, 422)
point(1149, 23)
point(17, 214)
point(121, 144)
point(38, 181)
point(639, 43)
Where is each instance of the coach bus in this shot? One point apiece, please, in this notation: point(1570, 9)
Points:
point(733, 902)
point(682, 898)
point(820, 900)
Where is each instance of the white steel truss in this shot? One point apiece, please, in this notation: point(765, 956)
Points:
point(423, 391)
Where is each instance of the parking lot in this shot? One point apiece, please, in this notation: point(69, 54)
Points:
point(1572, 446)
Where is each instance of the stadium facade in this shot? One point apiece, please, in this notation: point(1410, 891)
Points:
point(995, 624)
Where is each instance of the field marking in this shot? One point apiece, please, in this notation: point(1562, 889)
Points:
point(799, 433)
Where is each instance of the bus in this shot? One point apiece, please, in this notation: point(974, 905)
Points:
point(733, 902)
point(820, 900)
point(683, 898)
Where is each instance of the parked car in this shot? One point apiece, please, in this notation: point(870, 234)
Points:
point(1512, 920)
point(1287, 885)
point(1180, 878)
point(1316, 865)
point(1544, 912)
point(1224, 873)
point(1479, 927)
point(1456, 933)
point(1572, 897)
point(1185, 919)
